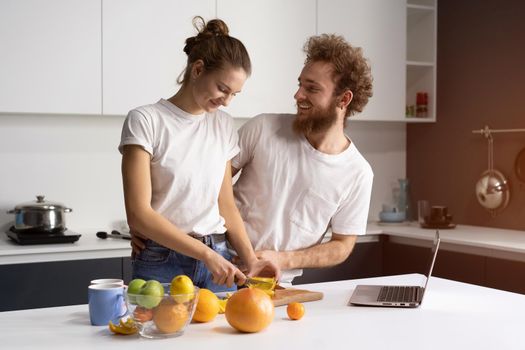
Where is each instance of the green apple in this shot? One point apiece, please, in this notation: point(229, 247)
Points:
point(151, 294)
point(134, 288)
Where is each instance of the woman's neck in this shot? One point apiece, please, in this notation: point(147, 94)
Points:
point(185, 101)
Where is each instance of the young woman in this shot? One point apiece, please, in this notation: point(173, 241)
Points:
point(177, 175)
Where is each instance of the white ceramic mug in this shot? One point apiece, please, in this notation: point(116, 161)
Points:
point(107, 281)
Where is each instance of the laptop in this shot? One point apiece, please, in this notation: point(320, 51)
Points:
point(395, 296)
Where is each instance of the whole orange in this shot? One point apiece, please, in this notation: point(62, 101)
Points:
point(295, 311)
point(249, 310)
point(207, 306)
point(169, 317)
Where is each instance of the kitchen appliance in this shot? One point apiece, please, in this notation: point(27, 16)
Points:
point(33, 237)
point(40, 216)
point(40, 222)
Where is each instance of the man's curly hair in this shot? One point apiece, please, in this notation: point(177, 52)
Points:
point(351, 69)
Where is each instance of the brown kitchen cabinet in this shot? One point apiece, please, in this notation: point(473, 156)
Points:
point(57, 283)
point(385, 257)
point(463, 267)
point(505, 274)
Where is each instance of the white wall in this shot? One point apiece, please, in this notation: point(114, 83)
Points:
point(74, 160)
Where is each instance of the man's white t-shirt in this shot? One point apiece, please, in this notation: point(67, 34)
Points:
point(289, 193)
point(188, 161)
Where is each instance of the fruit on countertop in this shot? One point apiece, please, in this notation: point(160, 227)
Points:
point(142, 314)
point(182, 284)
point(222, 305)
point(134, 287)
point(151, 294)
point(295, 311)
point(123, 327)
point(266, 284)
point(223, 302)
point(249, 310)
point(170, 316)
point(208, 306)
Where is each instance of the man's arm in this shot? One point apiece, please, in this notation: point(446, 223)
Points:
point(326, 254)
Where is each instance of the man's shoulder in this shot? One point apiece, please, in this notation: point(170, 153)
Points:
point(360, 163)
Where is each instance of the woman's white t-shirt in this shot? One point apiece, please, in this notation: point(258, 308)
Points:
point(188, 161)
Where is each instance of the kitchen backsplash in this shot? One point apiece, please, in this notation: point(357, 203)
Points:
point(74, 160)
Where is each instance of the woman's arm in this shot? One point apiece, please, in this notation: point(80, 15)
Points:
point(136, 176)
point(237, 235)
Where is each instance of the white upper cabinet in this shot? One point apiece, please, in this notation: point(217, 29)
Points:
point(274, 32)
point(143, 43)
point(110, 56)
point(379, 27)
point(51, 56)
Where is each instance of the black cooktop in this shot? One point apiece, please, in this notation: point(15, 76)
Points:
point(25, 238)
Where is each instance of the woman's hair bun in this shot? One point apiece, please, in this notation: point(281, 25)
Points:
point(214, 27)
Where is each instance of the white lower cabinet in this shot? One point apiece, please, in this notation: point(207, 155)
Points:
point(51, 56)
point(143, 43)
point(379, 27)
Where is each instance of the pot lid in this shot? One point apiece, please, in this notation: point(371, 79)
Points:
point(41, 204)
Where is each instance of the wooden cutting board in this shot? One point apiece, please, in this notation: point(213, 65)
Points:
point(284, 296)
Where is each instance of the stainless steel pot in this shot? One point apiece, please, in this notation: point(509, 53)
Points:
point(40, 216)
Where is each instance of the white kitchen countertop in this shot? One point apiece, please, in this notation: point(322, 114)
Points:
point(486, 241)
point(453, 315)
point(89, 246)
point(501, 243)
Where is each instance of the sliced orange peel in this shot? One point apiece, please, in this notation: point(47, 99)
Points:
point(123, 327)
point(266, 284)
point(223, 302)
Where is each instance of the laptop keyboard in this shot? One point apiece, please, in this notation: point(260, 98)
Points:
point(398, 294)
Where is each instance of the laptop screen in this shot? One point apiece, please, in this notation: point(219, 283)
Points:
point(432, 260)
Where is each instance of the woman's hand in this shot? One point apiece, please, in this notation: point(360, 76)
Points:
point(138, 242)
point(223, 271)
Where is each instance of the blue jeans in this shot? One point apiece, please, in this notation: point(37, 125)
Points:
point(162, 264)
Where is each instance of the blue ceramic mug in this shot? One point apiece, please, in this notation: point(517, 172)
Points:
point(106, 303)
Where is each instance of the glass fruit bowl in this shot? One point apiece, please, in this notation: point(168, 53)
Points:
point(163, 316)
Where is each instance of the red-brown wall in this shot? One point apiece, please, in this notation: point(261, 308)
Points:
point(480, 81)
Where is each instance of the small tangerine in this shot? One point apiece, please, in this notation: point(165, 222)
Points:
point(295, 311)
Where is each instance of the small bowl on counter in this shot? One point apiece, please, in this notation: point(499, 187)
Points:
point(392, 216)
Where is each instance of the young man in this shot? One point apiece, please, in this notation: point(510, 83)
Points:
point(301, 174)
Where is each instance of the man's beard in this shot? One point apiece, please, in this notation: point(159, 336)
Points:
point(317, 121)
